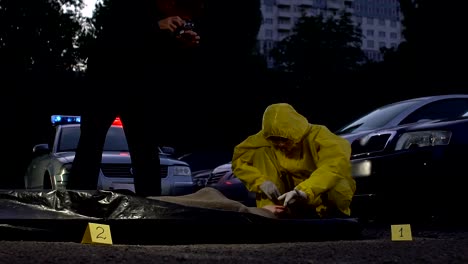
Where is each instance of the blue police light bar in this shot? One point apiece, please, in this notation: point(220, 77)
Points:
point(65, 119)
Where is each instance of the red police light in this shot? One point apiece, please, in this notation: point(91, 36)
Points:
point(117, 122)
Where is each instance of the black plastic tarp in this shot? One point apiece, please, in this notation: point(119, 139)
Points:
point(64, 215)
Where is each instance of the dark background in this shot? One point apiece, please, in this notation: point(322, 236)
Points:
point(222, 110)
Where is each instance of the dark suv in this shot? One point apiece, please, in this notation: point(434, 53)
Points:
point(413, 170)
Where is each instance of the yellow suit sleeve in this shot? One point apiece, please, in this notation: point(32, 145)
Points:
point(242, 163)
point(332, 160)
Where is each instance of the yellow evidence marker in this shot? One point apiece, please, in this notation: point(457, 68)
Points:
point(401, 233)
point(97, 234)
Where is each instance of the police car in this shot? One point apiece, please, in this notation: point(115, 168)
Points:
point(51, 163)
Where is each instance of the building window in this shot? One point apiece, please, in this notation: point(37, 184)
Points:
point(269, 9)
point(370, 21)
point(370, 43)
point(393, 35)
point(381, 44)
point(269, 33)
point(381, 34)
point(370, 32)
point(381, 21)
point(284, 8)
point(379, 56)
point(295, 20)
point(284, 21)
point(268, 21)
point(269, 44)
point(393, 23)
point(264, 47)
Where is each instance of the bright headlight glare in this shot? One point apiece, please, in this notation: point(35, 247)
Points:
point(361, 168)
point(182, 170)
point(64, 172)
point(423, 139)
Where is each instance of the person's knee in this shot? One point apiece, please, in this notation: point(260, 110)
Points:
point(343, 206)
point(341, 196)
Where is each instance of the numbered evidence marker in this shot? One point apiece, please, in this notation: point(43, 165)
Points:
point(401, 233)
point(97, 234)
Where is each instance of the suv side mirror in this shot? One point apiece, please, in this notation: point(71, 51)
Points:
point(40, 149)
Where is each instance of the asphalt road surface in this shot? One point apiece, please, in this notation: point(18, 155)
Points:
point(377, 245)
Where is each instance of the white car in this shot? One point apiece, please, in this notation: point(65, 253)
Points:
point(50, 166)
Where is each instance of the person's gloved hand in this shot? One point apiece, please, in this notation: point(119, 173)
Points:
point(270, 190)
point(292, 197)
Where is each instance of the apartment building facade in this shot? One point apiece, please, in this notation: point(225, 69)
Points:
point(379, 20)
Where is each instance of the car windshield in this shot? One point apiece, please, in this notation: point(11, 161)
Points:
point(377, 118)
point(115, 139)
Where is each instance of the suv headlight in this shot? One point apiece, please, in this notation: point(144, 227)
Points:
point(361, 168)
point(182, 170)
point(62, 177)
point(423, 139)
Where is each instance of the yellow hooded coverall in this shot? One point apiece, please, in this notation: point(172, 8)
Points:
point(318, 164)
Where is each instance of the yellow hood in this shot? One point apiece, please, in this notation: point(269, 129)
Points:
point(282, 120)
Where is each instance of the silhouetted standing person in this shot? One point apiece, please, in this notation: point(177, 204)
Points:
point(140, 46)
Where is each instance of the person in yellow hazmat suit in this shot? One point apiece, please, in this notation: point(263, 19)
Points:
point(295, 164)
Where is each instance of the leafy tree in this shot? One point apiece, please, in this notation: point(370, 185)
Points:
point(91, 28)
point(320, 47)
point(38, 37)
point(37, 48)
